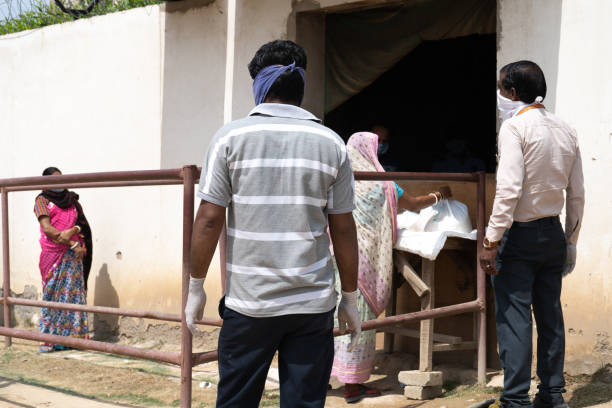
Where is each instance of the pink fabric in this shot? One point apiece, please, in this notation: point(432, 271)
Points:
point(52, 253)
point(352, 373)
point(367, 144)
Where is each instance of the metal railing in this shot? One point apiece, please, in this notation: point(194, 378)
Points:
point(186, 359)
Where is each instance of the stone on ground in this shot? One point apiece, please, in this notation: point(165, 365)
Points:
point(420, 378)
point(422, 393)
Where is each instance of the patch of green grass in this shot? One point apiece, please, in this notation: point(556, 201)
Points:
point(175, 403)
point(453, 389)
point(33, 381)
point(133, 398)
point(20, 378)
point(41, 383)
point(47, 13)
point(591, 394)
point(157, 370)
point(270, 399)
point(7, 356)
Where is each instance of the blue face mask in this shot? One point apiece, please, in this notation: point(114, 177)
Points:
point(57, 190)
point(383, 148)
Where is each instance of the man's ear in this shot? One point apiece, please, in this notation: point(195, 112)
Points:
point(513, 94)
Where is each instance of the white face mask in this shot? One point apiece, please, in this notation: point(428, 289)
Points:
point(507, 107)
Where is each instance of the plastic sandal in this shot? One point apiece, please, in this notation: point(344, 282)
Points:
point(45, 348)
point(364, 392)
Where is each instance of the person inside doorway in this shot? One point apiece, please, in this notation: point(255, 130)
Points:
point(385, 155)
point(284, 178)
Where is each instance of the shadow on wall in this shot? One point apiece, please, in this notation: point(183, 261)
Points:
point(105, 326)
point(597, 391)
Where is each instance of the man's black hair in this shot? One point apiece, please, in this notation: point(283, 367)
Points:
point(50, 170)
point(289, 87)
point(527, 78)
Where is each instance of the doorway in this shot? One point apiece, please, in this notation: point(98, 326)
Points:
point(425, 71)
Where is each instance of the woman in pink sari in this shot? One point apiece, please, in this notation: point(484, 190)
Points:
point(65, 241)
point(376, 205)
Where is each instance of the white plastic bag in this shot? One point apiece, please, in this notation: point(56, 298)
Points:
point(447, 215)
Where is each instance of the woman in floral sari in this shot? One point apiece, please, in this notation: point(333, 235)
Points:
point(376, 204)
point(65, 260)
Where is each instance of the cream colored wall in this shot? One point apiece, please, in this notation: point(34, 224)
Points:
point(268, 20)
point(256, 24)
point(126, 91)
point(568, 39)
point(193, 78)
point(86, 96)
point(140, 89)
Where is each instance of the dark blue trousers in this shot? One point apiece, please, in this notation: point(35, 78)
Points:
point(530, 262)
point(247, 345)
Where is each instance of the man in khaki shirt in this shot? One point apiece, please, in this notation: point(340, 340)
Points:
point(526, 249)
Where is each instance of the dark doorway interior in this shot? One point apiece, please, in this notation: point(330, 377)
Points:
point(438, 103)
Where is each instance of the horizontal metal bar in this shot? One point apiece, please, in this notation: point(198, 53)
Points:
point(145, 314)
point(466, 345)
point(99, 184)
point(206, 357)
point(374, 175)
point(436, 313)
point(155, 355)
point(156, 177)
point(416, 334)
point(103, 177)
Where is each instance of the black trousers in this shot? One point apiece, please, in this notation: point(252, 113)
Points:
point(247, 345)
point(530, 262)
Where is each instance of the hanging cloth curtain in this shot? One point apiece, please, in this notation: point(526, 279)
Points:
point(363, 45)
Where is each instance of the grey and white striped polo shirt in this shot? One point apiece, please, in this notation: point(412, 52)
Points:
point(279, 172)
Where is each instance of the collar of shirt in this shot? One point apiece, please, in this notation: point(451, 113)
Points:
point(282, 110)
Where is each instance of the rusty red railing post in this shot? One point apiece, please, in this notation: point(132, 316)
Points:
point(481, 285)
point(186, 339)
point(6, 265)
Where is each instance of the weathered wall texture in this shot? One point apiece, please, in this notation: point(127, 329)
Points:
point(126, 91)
point(567, 38)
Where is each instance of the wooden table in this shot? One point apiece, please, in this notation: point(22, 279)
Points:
point(429, 342)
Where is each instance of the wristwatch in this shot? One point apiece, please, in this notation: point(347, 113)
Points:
point(488, 244)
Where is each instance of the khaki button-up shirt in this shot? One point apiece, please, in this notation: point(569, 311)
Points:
point(539, 158)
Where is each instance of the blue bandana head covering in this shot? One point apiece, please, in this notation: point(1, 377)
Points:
point(268, 75)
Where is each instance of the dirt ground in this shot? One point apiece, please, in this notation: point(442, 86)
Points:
point(95, 378)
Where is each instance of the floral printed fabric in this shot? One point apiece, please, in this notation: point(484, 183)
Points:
point(375, 216)
point(65, 285)
point(354, 367)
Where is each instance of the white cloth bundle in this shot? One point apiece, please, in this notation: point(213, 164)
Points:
point(425, 233)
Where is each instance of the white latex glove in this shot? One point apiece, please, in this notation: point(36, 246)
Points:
point(196, 300)
point(348, 316)
point(570, 261)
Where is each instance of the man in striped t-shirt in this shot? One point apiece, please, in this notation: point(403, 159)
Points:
point(282, 176)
